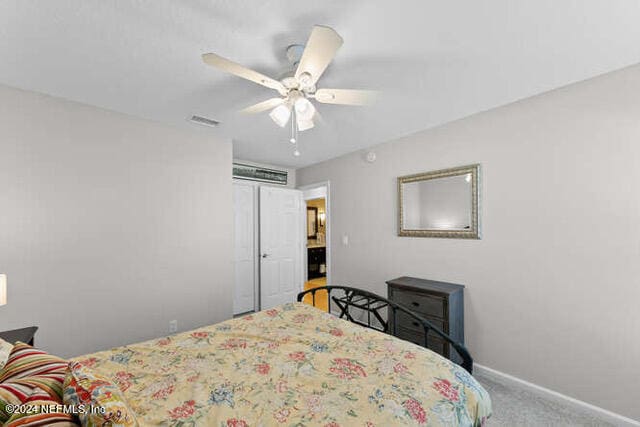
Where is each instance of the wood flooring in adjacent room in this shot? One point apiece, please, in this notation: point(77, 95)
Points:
point(321, 296)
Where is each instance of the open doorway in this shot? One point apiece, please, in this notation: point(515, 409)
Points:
point(318, 250)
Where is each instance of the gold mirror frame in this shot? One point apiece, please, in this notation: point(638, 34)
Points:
point(473, 232)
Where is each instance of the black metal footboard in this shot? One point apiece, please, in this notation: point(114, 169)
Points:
point(374, 307)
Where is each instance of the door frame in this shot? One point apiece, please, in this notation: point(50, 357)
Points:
point(256, 239)
point(327, 224)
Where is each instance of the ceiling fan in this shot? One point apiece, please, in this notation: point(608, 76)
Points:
point(298, 86)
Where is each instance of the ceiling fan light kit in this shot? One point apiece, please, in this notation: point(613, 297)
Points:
point(280, 115)
point(304, 109)
point(298, 87)
point(305, 124)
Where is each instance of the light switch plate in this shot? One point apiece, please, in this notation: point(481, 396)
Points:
point(173, 326)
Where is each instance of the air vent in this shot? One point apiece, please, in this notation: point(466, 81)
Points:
point(204, 121)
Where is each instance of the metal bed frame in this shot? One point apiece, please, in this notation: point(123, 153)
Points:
point(375, 306)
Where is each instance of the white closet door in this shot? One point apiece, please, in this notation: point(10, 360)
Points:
point(245, 251)
point(282, 217)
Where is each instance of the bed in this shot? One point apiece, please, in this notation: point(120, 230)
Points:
point(290, 365)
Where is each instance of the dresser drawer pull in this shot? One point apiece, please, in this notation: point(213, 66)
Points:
point(415, 323)
point(415, 304)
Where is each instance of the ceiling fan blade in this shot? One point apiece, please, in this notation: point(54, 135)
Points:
point(345, 96)
point(263, 106)
point(320, 49)
point(241, 71)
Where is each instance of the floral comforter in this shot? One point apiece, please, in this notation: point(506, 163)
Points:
point(291, 365)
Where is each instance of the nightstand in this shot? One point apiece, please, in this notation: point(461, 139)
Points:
point(25, 335)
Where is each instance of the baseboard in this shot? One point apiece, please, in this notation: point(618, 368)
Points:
point(605, 415)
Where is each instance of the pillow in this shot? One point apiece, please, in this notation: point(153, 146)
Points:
point(5, 349)
point(32, 414)
point(84, 387)
point(28, 372)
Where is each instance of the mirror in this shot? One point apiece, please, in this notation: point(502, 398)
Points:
point(442, 203)
point(312, 222)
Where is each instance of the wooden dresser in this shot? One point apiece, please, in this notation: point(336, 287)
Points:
point(440, 303)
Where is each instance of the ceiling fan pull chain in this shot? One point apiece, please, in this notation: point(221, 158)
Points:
point(293, 123)
point(294, 132)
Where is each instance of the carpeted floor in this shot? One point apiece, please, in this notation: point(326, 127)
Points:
point(516, 407)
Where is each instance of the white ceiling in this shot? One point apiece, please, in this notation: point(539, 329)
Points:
point(434, 61)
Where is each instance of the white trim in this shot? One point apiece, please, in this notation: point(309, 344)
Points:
point(315, 193)
point(256, 247)
point(596, 411)
point(327, 223)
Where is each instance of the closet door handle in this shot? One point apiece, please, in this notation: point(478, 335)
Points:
point(265, 255)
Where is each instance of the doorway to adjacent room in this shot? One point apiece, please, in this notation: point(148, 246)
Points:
point(317, 251)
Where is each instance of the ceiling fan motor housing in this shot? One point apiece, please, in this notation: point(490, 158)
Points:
point(294, 53)
point(304, 81)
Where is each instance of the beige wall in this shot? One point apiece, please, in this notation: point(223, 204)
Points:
point(110, 226)
point(553, 288)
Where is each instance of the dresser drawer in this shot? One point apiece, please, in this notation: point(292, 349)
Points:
point(407, 322)
point(435, 343)
point(430, 305)
point(441, 303)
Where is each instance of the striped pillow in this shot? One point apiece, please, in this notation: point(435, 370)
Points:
point(29, 371)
